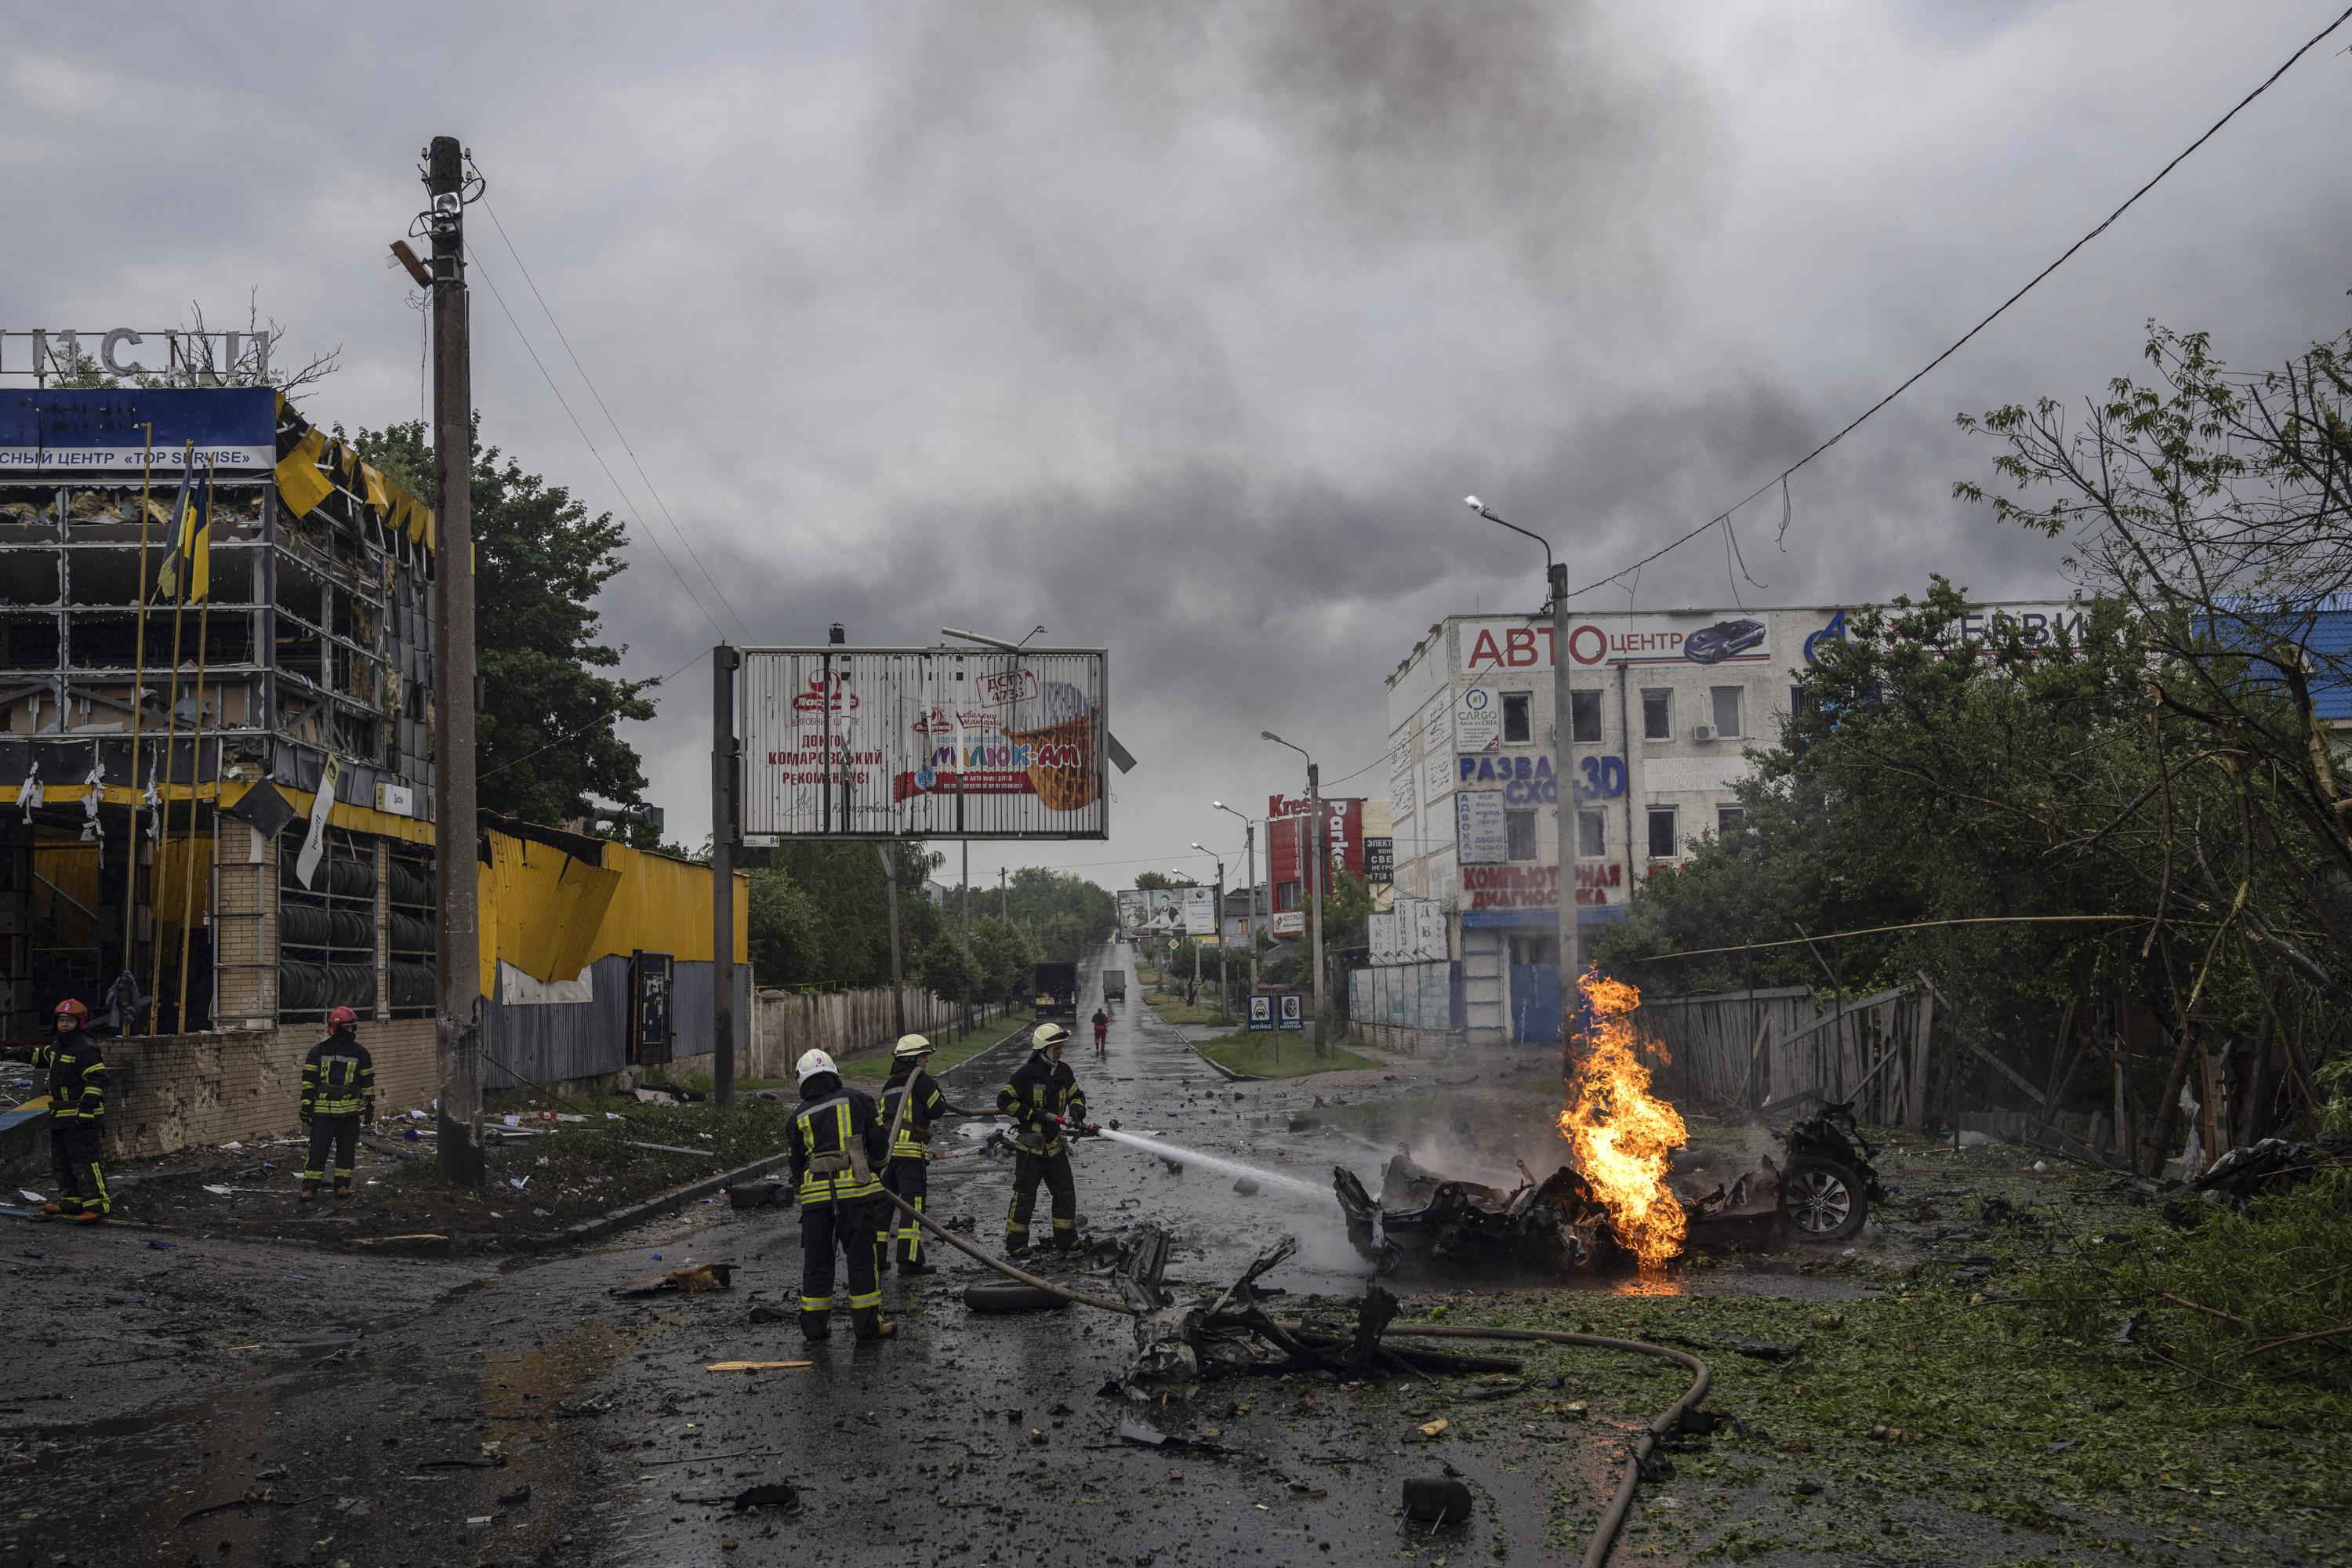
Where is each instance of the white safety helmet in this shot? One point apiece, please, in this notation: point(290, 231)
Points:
point(1047, 1036)
point(813, 1063)
point(912, 1046)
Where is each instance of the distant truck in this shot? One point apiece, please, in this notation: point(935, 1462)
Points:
point(1055, 987)
point(1115, 985)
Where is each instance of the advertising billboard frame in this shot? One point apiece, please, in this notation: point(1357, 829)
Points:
point(1013, 755)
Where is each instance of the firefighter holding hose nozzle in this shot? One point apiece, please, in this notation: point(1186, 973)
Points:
point(1043, 1099)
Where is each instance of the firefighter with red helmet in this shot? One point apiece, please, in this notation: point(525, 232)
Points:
point(77, 1116)
point(338, 1100)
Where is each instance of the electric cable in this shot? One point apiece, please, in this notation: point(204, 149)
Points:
point(474, 260)
point(1781, 478)
point(584, 729)
point(683, 537)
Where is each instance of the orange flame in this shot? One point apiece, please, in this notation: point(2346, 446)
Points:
point(1622, 1135)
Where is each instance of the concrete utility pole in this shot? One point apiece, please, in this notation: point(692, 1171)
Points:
point(1563, 719)
point(458, 961)
point(1315, 848)
point(890, 853)
point(725, 829)
point(1249, 880)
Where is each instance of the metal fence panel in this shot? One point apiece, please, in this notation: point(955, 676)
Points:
point(842, 743)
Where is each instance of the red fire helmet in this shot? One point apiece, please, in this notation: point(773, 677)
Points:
point(70, 1008)
point(340, 1017)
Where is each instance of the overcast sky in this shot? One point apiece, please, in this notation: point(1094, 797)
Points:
point(1182, 329)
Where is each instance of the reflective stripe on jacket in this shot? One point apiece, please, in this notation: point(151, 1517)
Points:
point(1039, 1090)
point(831, 1137)
point(77, 1077)
point(338, 1080)
point(926, 1106)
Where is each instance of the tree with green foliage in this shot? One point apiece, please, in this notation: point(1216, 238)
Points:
point(1004, 956)
point(2147, 827)
point(948, 970)
point(545, 740)
point(820, 914)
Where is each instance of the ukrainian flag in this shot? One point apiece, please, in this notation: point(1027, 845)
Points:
point(191, 555)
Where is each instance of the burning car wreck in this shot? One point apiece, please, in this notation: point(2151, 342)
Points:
point(1820, 1187)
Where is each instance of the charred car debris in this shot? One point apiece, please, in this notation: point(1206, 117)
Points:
point(1822, 1187)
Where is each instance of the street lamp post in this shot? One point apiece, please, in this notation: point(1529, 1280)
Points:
point(1563, 719)
point(1222, 992)
point(1249, 876)
point(1316, 849)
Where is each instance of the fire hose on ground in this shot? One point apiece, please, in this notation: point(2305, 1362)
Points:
point(1613, 1518)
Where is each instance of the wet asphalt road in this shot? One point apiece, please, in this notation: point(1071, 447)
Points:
point(405, 1412)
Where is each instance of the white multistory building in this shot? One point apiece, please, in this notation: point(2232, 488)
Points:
point(1665, 705)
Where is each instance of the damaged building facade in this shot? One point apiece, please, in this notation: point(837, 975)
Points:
point(167, 757)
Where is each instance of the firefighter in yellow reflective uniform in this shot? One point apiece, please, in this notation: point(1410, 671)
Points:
point(77, 1116)
point(912, 1101)
point(1042, 1098)
point(837, 1149)
point(338, 1100)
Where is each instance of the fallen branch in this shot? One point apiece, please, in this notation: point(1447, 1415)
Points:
point(2298, 1338)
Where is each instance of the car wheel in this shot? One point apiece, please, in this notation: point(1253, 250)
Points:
point(1824, 1200)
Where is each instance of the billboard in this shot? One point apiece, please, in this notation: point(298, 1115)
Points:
point(1480, 830)
point(1134, 909)
point(1498, 644)
point(1200, 911)
point(843, 743)
point(105, 429)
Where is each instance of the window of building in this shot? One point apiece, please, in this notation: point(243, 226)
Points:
point(1286, 896)
point(1516, 729)
point(1584, 716)
point(1592, 835)
point(1662, 833)
point(1797, 705)
point(1727, 818)
point(1519, 835)
point(1726, 709)
point(1657, 714)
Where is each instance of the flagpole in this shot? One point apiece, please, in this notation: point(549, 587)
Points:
point(197, 568)
point(137, 706)
point(163, 806)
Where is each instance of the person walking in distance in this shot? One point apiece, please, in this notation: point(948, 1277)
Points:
point(338, 1100)
point(912, 1101)
point(1102, 1034)
point(837, 1150)
point(77, 1116)
point(1043, 1099)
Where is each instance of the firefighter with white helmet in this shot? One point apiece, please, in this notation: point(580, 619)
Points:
point(912, 1101)
point(838, 1151)
point(1043, 1099)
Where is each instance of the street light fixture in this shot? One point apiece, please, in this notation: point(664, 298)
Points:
point(1314, 834)
point(1563, 719)
point(1249, 876)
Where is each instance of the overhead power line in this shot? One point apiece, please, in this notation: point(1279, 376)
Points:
point(474, 260)
point(561, 336)
point(1781, 478)
point(580, 730)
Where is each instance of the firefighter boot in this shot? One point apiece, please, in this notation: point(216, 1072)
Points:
point(870, 1325)
point(86, 1216)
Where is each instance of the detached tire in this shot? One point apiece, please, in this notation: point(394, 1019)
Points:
point(1010, 1296)
point(1824, 1200)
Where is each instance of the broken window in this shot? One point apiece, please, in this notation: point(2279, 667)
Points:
point(1519, 835)
point(1516, 723)
point(1662, 833)
point(1726, 709)
point(1584, 716)
point(1657, 713)
point(1592, 835)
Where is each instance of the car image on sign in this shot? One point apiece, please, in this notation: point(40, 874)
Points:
point(1713, 645)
